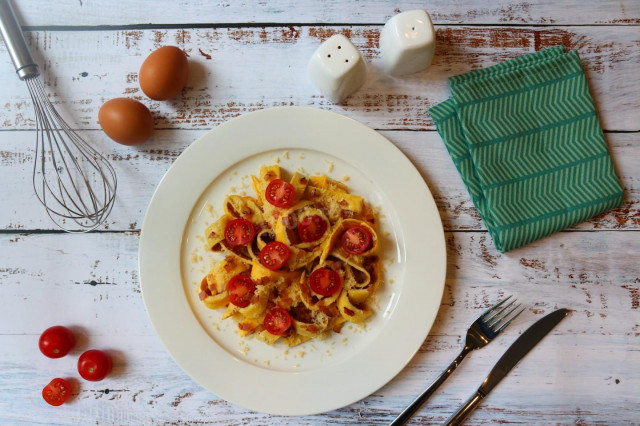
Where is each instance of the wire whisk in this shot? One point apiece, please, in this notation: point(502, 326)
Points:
point(73, 181)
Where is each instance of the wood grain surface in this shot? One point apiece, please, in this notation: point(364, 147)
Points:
point(246, 56)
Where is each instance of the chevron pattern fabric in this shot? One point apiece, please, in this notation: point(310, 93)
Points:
point(526, 140)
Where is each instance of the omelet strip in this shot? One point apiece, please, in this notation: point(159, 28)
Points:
point(215, 233)
point(236, 206)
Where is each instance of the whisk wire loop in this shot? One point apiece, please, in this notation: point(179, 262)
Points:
point(71, 179)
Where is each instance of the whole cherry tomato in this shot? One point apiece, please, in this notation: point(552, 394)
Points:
point(56, 341)
point(94, 365)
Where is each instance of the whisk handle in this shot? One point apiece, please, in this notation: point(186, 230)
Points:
point(26, 67)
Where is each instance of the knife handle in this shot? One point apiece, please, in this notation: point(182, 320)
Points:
point(463, 412)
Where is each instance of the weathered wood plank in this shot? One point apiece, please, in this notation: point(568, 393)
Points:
point(90, 12)
point(585, 371)
point(139, 170)
point(83, 69)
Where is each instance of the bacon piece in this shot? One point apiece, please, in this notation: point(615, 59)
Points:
point(301, 313)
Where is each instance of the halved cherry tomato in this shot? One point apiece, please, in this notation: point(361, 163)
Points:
point(94, 365)
point(325, 281)
point(277, 321)
point(240, 289)
point(356, 239)
point(56, 392)
point(274, 255)
point(280, 193)
point(312, 228)
point(239, 232)
point(56, 341)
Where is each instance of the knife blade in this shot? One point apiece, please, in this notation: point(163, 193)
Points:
point(511, 357)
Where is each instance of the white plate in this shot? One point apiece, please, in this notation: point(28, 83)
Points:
point(316, 376)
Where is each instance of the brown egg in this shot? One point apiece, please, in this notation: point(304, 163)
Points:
point(164, 73)
point(126, 121)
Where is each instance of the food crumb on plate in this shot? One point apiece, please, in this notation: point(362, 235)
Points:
point(244, 349)
point(285, 155)
point(301, 156)
point(329, 165)
point(276, 160)
point(345, 178)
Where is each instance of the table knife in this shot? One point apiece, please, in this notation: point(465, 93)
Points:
point(515, 353)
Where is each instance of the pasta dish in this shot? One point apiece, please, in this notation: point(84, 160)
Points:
point(301, 258)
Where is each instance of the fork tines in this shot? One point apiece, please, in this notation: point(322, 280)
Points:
point(496, 317)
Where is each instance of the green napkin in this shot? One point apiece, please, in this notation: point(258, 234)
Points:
point(525, 137)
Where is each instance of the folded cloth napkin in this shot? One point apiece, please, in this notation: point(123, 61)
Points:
point(525, 137)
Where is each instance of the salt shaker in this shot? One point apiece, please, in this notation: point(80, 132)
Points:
point(407, 42)
point(337, 68)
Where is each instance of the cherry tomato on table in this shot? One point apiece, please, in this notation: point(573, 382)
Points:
point(94, 365)
point(56, 392)
point(274, 255)
point(277, 321)
point(240, 289)
point(325, 282)
point(312, 228)
point(356, 239)
point(280, 193)
point(56, 341)
point(239, 232)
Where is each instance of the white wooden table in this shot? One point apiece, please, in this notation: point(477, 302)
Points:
point(247, 56)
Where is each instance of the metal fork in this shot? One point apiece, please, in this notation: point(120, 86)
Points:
point(491, 323)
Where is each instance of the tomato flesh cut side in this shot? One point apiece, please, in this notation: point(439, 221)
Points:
point(277, 321)
point(56, 392)
point(356, 239)
point(240, 290)
point(325, 282)
point(312, 228)
point(280, 193)
point(239, 232)
point(274, 255)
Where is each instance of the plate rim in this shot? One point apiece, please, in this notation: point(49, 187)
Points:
point(251, 397)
